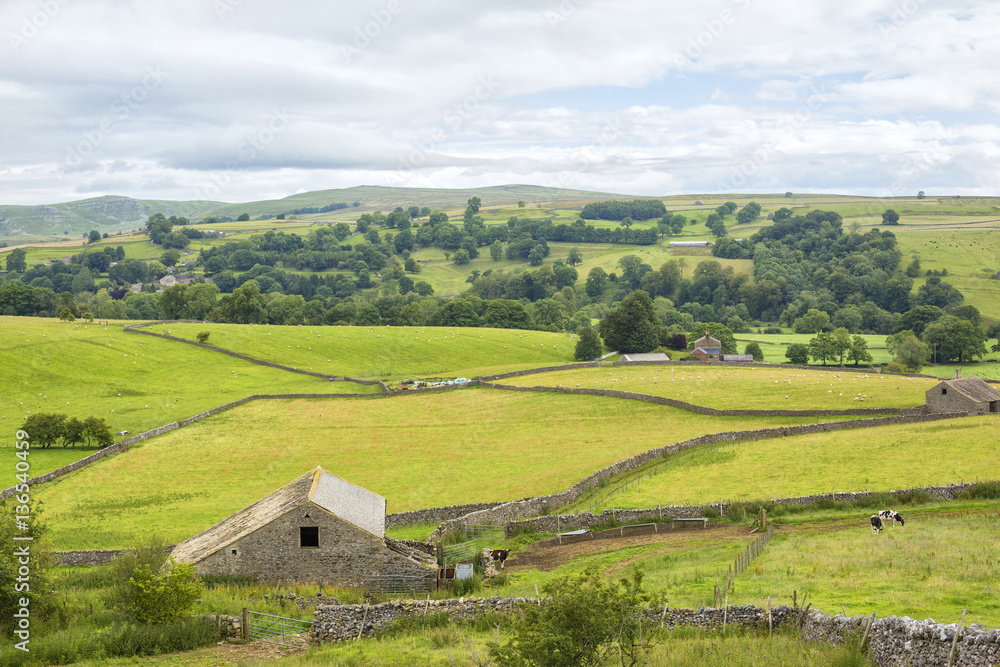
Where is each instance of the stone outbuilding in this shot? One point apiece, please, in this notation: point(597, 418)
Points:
point(317, 529)
point(644, 357)
point(971, 395)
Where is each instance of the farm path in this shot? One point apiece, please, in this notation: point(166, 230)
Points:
point(547, 555)
point(225, 653)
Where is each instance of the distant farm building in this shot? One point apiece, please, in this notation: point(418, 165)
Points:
point(644, 357)
point(971, 395)
point(738, 357)
point(707, 348)
point(319, 529)
point(689, 244)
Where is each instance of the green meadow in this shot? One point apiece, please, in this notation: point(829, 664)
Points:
point(134, 382)
point(746, 388)
point(900, 456)
point(399, 352)
point(421, 450)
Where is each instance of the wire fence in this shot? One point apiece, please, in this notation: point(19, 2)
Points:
point(740, 564)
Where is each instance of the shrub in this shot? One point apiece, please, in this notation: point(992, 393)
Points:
point(772, 330)
point(709, 512)
point(202, 336)
point(150, 587)
point(985, 490)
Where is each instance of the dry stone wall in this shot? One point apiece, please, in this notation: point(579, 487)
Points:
point(540, 505)
point(434, 514)
point(892, 642)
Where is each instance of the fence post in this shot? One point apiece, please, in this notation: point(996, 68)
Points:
point(245, 623)
point(954, 643)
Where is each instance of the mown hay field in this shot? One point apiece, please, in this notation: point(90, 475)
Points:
point(745, 388)
point(422, 450)
point(900, 456)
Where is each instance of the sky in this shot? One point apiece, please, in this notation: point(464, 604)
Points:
point(242, 100)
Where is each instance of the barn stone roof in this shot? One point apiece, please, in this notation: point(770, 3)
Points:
point(349, 502)
point(975, 389)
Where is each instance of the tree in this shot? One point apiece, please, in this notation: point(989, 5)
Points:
point(246, 305)
point(633, 326)
point(921, 195)
point(730, 207)
point(16, 571)
point(798, 354)
point(461, 257)
point(840, 343)
point(94, 236)
point(83, 281)
point(788, 195)
point(716, 224)
point(97, 432)
point(423, 288)
point(506, 314)
point(521, 204)
point(45, 428)
point(585, 623)
point(890, 217)
point(589, 346)
point(473, 204)
point(170, 257)
point(411, 265)
point(16, 262)
point(753, 349)
point(575, 257)
point(66, 314)
point(908, 350)
point(496, 251)
point(748, 213)
point(202, 336)
point(953, 338)
point(814, 321)
point(73, 432)
point(783, 213)
point(913, 269)
point(859, 351)
point(150, 587)
point(823, 347)
point(597, 280)
point(537, 255)
point(243, 217)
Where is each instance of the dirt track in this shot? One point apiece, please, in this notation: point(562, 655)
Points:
point(547, 555)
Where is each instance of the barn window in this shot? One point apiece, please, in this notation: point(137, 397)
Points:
point(234, 552)
point(944, 390)
point(309, 536)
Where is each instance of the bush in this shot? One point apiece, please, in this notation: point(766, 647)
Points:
point(709, 512)
point(202, 336)
point(985, 490)
point(151, 587)
point(772, 330)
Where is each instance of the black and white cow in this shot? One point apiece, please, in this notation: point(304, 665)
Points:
point(891, 515)
point(499, 555)
point(876, 524)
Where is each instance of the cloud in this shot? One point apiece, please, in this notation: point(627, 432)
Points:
point(640, 97)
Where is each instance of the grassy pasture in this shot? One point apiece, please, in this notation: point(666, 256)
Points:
point(891, 457)
point(418, 451)
point(135, 382)
point(746, 388)
point(388, 351)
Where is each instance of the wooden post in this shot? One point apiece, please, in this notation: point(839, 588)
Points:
point(663, 616)
point(364, 618)
point(868, 629)
point(954, 642)
point(770, 623)
point(725, 614)
point(802, 618)
point(245, 625)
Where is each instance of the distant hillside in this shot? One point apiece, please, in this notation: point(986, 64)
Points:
point(372, 197)
point(112, 213)
point(105, 214)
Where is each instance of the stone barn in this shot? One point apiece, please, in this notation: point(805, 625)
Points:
point(971, 395)
point(317, 529)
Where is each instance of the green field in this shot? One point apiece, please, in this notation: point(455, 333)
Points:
point(135, 382)
point(399, 352)
point(473, 445)
point(893, 457)
point(749, 388)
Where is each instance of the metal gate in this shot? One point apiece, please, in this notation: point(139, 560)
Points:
point(290, 632)
point(483, 532)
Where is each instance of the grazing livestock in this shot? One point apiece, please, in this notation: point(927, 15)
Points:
point(891, 515)
point(499, 555)
point(876, 524)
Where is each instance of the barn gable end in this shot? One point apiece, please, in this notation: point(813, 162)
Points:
point(971, 395)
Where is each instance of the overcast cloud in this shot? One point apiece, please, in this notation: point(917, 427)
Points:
point(240, 100)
